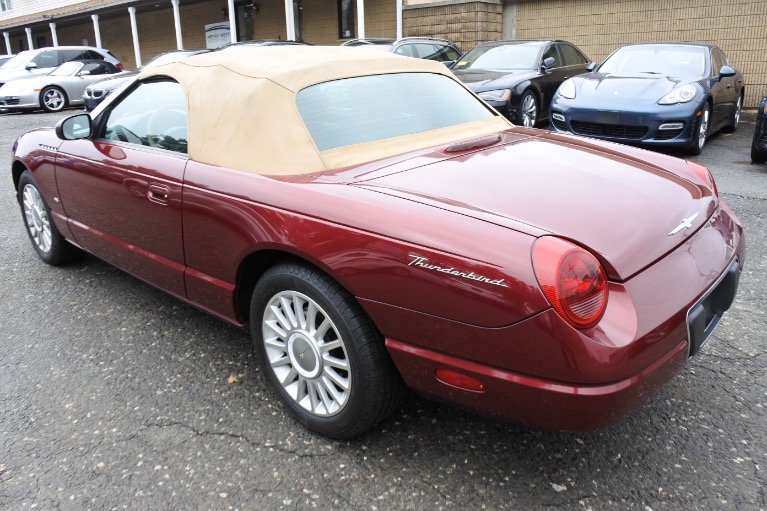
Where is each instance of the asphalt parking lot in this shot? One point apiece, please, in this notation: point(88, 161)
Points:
point(114, 395)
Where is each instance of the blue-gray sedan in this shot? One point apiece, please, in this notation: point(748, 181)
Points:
point(672, 95)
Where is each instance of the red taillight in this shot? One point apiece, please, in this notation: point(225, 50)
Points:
point(120, 67)
point(572, 280)
point(705, 175)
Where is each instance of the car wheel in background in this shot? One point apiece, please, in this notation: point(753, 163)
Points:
point(324, 357)
point(527, 113)
point(53, 99)
point(702, 132)
point(46, 239)
point(757, 155)
point(735, 116)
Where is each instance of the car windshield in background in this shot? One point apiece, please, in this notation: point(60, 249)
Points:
point(501, 58)
point(372, 108)
point(66, 69)
point(18, 61)
point(656, 60)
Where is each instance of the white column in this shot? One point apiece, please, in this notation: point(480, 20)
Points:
point(96, 29)
point(232, 25)
point(361, 19)
point(177, 22)
point(53, 34)
point(7, 37)
point(399, 18)
point(290, 20)
point(134, 31)
point(29, 38)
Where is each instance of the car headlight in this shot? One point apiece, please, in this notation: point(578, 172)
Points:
point(495, 95)
point(567, 89)
point(681, 94)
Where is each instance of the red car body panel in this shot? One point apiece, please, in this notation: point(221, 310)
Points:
point(191, 228)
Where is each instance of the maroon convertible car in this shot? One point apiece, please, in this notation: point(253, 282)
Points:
point(374, 240)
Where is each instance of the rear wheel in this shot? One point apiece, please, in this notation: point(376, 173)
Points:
point(527, 113)
point(757, 155)
point(701, 132)
point(53, 99)
point(321, 353)
point(46, 239)
point(735, 116)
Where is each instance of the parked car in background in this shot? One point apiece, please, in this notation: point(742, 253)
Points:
point(97, 91)
point(58, 89)
point(4, 59)
point(42, 61)
point(428, 48)
point(519, 78)
point(665, 95)
point(319, 223)
point(759, 143)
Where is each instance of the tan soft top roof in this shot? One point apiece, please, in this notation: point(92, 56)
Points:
point(242, 106)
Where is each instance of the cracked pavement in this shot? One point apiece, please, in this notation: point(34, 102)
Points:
point(114, 395)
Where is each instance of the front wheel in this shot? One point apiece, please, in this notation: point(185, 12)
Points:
point(527, 113)
point(701, 132)
point(321, 353)
point(46, 239)
point(53, 99)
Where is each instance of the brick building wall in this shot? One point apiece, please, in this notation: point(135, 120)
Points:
point(465, 22)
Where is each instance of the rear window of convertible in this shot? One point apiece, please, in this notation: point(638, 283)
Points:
point(371, 108)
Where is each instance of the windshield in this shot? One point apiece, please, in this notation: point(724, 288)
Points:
point(501, 58)
point(663, 60)
point(18, 61)
point(66, 69)
point(371, 108)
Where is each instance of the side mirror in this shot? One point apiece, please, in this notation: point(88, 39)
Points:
point(726, 71)
point(591, 67)
point(548, 62)
point(75, 127)
point(83, 73)
point(31, 65)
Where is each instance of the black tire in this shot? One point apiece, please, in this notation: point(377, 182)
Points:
point(701, 131)
point(53, 99)
point(757, 155)
point(528, 110)
point(46, 239)
point(730, 128)
point(310, 348)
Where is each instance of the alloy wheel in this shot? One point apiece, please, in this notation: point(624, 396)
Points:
point(38, 223)
point(306, 353)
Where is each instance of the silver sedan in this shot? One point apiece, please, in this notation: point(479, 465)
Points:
point(61, 87)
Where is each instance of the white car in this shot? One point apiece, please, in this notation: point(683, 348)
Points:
point(42, 61)
point(61, 87)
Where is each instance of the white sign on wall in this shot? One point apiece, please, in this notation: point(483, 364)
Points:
point(217, 34)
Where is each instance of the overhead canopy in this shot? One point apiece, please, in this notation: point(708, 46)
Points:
point(242, 106)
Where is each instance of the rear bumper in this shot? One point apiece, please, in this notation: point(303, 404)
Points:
point(536, 402)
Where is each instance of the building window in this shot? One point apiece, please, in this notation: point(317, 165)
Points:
point(5, 5)
point(345, 19)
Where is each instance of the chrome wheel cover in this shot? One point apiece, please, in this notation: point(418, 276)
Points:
point(528, 108)
point(53, 99)
point(38, 223)
point(703, 129)
point(306, 353)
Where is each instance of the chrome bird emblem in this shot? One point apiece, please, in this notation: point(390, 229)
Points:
point(686, 224)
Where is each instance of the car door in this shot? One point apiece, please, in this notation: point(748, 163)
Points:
point(551, 78)
point(121, 188)
point(721, 90)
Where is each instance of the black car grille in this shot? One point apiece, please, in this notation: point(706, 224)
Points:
point(560, 125)
point(668, 134)
point(608, 130)
point(9, 101)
